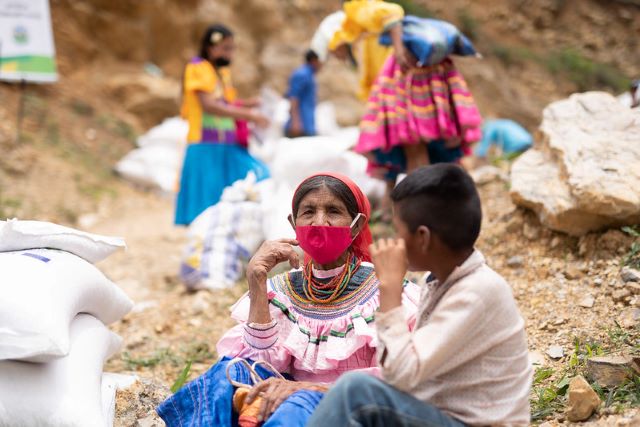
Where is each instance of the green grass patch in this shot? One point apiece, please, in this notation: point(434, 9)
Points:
point(9, 207)
point(585, 73)
point(53, 132)
point(117, 127)
point(182, 378)
point(469, 25)
point(549, 391)
point(197, 352)
point(547, 399)
point(96, 191)
point(159, 357)
point(414, 8)
point(511, 55)
point(81, 108)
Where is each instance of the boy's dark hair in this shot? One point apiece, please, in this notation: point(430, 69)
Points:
point(444, 198)
point(310, 55)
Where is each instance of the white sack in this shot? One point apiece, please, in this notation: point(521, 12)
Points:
point(154, 166)
point(326, 120)
point(41, 291)
point(16, 235)
point(64, 392)
point(171, 132)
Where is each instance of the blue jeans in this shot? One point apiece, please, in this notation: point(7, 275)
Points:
point(361, 400)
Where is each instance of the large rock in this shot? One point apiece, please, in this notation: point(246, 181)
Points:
point(584, 173)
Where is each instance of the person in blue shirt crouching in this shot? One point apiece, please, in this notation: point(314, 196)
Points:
point(506, 135)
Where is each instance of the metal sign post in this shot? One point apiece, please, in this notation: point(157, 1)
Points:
point(23, 87)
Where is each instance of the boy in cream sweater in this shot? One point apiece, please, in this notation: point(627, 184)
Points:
point(466, 360)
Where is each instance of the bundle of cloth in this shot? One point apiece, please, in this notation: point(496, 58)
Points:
point(54, 308)
point(222, 239)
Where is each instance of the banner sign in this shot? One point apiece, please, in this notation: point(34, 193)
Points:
point(26, 41)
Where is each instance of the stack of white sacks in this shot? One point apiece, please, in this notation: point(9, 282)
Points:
point(54, 305)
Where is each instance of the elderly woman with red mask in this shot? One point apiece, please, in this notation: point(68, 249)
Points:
point(311, 324)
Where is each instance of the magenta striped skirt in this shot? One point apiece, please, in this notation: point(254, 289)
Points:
point(423, 105)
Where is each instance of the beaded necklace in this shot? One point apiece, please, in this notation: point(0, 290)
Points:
point(323, 293)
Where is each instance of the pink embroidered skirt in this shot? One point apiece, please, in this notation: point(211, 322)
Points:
point(423, 105)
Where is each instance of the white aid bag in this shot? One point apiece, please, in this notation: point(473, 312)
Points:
point(66, 391)
point(295, 159)
point(155, 167)
point(326, 119)
point(156, 163)
point(16, 235)
point(222, 239)
point(41, 291)
point(171, 132)
point(276, 109)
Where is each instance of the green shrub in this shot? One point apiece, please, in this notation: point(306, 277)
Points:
point(468, 24)
point(414, 8)
point(585, 73)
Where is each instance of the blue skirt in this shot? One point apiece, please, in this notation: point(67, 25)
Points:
point(207, 169)
point(208, 401)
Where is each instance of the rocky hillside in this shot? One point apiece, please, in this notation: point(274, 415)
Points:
point(535, 51)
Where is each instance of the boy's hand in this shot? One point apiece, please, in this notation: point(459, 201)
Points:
point(389, 258)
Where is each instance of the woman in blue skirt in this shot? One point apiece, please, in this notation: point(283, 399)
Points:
point(216, 157)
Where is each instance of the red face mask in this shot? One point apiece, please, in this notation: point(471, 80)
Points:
point(325, 243)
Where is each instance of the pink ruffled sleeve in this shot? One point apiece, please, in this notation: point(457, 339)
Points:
point(257, 342)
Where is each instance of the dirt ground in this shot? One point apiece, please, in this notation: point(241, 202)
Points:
point(551, 275)
point(76, 130)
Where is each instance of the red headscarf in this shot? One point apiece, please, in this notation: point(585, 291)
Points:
point(362, 241)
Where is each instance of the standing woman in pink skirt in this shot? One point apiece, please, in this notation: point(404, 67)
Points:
point(419, 110)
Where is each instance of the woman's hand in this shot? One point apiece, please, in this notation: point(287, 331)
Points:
point(270, 254)
point(252, 102)
point(274, 391)
point(405, 58)
point(390, 262)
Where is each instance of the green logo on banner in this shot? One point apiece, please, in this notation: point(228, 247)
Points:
point(20, 35)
